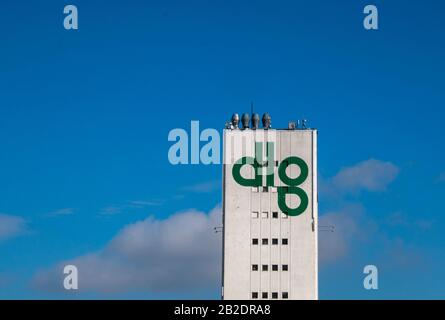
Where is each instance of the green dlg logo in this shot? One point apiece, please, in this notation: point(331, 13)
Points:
point(292, 183)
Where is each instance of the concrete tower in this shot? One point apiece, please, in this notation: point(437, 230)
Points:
point(270, 211)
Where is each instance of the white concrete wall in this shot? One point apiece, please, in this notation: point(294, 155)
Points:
point(240, 227)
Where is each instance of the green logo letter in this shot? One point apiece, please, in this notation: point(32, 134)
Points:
point(293, 186)
point(236, 172)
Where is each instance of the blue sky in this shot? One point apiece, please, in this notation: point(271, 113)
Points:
point(84, 119)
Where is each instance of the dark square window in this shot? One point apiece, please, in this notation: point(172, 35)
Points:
point(274, 295)
point(265, 267)
point(254, 267)
point(274, 267)
point(274, 240)
point(275, 215)
point(264, 295)
point(254, 241)
point(265, 241)
point(285, 295)
point(284, 241)
point(254, 295)
point(265, 189)
point(285, 267)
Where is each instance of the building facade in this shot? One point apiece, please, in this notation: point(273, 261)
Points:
point(270, 230)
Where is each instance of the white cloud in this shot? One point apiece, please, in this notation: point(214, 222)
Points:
point(350, 225)
point(180, 252)
point(62, 212)
point(183, 252)
point(134, 204)
point(11, 226)
point(110, 210)
point(143, 203)
point(398, 219)
point(350, 221)
point(203, 187)
point(369, 175)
